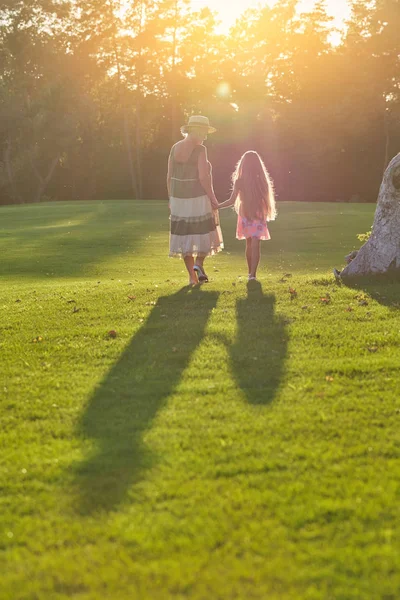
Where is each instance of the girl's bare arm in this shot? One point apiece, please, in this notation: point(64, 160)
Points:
point(231, 201)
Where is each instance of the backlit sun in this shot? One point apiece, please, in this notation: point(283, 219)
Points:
point(230, 10)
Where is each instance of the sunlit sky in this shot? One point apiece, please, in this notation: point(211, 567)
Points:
point(230, 10)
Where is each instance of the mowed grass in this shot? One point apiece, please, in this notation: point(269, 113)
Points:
point(231, 442)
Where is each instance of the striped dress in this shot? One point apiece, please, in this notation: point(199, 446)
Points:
point(194, 225)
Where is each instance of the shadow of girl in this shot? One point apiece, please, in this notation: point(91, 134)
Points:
point(259, 352)
point(132, 393)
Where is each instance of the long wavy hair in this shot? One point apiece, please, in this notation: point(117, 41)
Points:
point(256, 198)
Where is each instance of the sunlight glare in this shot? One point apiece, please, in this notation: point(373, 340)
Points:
point(224, 90)
point(124, 5)
point(228, 12)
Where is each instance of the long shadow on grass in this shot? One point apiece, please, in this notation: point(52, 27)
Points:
point(383, 289)
point(74, 239)
point(136, 388)
point(259, 353)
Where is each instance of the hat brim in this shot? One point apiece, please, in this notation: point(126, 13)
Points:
point(187, 128)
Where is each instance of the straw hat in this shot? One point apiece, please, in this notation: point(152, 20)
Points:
point(198, 121)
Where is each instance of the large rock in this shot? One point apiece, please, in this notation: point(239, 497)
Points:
point(381, 253)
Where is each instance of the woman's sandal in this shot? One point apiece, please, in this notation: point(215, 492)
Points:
point(201, 274)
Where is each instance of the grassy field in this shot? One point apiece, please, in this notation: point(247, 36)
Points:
point(231, 442)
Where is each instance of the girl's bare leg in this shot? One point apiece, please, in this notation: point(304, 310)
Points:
point(255, 256)
point(189, 263)
point(248, 254)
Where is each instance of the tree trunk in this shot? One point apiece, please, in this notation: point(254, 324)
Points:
point(128, 146)
point(174, 108)
point(387, 141)
point(139, 108)
point(139, 150)
point(126, 122)
point(7, 161)
point(381, 253)
point(43, 182)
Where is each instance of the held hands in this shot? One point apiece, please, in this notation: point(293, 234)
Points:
point(214, 203)
point(227, 203)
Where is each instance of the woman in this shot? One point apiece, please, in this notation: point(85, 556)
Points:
point(195, 232)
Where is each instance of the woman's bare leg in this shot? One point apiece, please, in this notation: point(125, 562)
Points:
point(200, 260)
point(248, 254)
point(200, 263)
point(255, 256)
point(189, 263)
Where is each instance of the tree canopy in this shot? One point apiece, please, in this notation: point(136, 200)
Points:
point(93, 93)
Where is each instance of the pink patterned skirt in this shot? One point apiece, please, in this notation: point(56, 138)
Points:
point(251, 229)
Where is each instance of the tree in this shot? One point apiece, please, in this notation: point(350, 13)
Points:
point(371, 52)
point(98, 26)
point(92, 92)
point(33, 96)
point(381, 253)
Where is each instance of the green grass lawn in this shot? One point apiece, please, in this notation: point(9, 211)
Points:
point(229, 443)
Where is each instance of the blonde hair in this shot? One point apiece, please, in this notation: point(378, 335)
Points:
point(256, 197)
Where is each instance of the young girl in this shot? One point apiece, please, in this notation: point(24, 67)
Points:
point(254, 200)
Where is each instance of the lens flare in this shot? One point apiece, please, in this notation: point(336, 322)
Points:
point(223, 90)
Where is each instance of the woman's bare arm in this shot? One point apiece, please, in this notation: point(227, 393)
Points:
point(205, 176)
point(169, 175)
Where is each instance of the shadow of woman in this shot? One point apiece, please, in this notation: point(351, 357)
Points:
point(258, 355)
point(132, 393)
